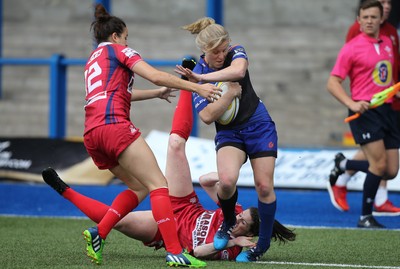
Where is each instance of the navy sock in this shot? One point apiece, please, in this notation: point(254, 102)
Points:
point(228, 208)
point(371, 185)
point(267, 218)
point(357, 165)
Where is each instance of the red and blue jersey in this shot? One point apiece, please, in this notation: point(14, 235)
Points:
point(108, 84)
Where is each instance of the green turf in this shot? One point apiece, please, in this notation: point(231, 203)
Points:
point(58, 243)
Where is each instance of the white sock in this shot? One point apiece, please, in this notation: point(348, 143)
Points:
point(381, 196)
point(343, 179)
point(342, 164)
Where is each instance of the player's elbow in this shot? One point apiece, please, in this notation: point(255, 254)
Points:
point(200, 253)
point(207, 118)
point(209, 179)
point(240, 74)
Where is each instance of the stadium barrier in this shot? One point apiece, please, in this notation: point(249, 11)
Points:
point(58, 67)
point(25, 158)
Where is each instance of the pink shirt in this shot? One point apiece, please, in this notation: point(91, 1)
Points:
point(108, 84)
point(369, 64)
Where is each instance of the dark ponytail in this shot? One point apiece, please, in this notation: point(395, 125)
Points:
point(104, 25)
point(279, 231)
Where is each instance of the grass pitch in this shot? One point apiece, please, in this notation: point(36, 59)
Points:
point(58, 243)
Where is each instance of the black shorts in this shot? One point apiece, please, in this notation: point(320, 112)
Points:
point(375, 124)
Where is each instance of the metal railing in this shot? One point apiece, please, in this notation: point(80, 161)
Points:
point(58, 66)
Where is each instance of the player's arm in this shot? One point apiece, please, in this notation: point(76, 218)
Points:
point(236, 71)
point(161, 78)
point(209, 182)
point(214, 110)
point(162, 93)
point(207, 251)
point(335, 88)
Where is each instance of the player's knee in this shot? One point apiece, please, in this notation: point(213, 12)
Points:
point(176, 143)
point(390, 175)
point(264, 189)
point(227, 184)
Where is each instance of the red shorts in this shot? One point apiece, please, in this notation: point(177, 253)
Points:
point(186, 210)
point(105, 143)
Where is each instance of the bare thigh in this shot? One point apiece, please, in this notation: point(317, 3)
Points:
point(139, 162)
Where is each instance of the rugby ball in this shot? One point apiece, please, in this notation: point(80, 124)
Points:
point(230, 114)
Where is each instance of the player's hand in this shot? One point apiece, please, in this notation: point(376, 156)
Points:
point(209, 91)
point(244, 241)
point(359, 106)
point(166, 93)
point(235, 88)
point(193, 77)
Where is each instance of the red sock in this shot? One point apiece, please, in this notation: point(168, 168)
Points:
point(182, 122)
point(94, 209)
point(124, 203)
point(162, 213)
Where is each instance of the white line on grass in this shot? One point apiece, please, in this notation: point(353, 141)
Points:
point(332, 265)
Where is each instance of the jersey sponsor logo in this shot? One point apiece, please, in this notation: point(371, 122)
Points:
point(389, 51)
point(239, 52)
point(198, 100)
point(270, 144)
point(202, 228)
point(162, 221)
point(130, 84)
point(133, 129)
point(129, 52)
point(193, 200)
point(382, 74)
point(224, 255)
point(95, 55)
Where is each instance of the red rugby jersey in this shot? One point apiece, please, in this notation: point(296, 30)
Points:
point(108, 84)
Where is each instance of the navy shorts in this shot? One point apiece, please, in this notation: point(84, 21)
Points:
point(256, 138)
point(376, 124)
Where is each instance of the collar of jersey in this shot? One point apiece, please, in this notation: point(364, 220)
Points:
point(104, 44)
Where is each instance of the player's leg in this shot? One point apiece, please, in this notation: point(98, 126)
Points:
point(124, 203)
point(92, 208)
point(340, 174)
point(382, 205)
point(139, 225)
point(263, 169)
point(377, 159)
point(229, 162)
point(139, 161)
point(177, 169)
point(262, 146)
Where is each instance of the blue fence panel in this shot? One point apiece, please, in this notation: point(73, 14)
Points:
point(58, 66)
